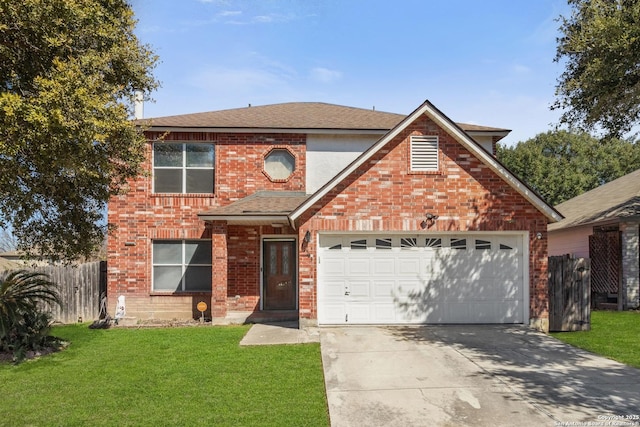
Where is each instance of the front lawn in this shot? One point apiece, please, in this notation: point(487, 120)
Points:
point(613, 334)
point(165, 376)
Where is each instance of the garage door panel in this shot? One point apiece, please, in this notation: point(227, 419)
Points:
point(332, 314)
point(457, 312)
point(359, 313)
point(408, 265)
point(433, 314)
point(333, 288)
point(334, 267)
point(359, 288)
point(358, 266)
point(485, 311)
point(383, 288)
point(511, 312)
point(410, 288)
point(384, 313)
point(483, 289)
point(505, 261)
point(384, 266)
point(481, 283)
point(411, 312)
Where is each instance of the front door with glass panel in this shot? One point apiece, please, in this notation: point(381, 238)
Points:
point(279, 274)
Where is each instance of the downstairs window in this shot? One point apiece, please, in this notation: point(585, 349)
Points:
point(182, 265)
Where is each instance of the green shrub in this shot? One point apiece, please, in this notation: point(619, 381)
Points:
point(24, 323)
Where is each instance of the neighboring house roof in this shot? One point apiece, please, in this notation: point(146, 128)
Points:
point(10, 260)
point(618, 199)
point(297, 116)
point(7, 264)
point(457, 133)
point(262, 207)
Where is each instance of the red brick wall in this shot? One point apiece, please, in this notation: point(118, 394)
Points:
point(383, 194)
point(140, 216)
point(380, 195)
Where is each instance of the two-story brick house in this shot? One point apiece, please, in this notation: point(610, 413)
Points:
point(330, 215)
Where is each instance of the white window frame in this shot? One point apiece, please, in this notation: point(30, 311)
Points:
point(184, 166)
point(183, 264)
point(424, 153)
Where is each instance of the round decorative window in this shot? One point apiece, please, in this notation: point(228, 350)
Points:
point(279, 164)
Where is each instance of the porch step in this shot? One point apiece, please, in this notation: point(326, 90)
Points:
point(243, 317)
point(126, 321)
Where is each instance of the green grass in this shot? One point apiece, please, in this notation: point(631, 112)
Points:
point(613, 334)
point(162, 377)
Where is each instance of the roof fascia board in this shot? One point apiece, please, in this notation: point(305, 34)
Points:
point(282, 218)
point(267, 130)
point(594, 223)
point(488, 133)
point(457, 133)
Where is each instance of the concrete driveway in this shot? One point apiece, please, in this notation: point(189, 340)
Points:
point(471, 376)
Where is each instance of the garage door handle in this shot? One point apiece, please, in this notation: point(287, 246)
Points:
point(347, 293)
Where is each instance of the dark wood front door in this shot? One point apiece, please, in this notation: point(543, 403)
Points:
point(279, 274)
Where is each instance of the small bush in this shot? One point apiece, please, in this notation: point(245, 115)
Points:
point(24, 325)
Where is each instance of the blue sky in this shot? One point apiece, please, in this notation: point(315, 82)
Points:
point(484, 62)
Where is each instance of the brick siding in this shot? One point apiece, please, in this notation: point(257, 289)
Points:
point(383, 195)
point(141, 216)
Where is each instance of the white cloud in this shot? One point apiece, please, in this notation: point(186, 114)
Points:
point(520, 69)
point(325, 75)
point(227, 13)
point(272, 18)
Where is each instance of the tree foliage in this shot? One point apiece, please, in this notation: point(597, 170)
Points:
point(68, 75)
point(600, 45)
point(560, 165)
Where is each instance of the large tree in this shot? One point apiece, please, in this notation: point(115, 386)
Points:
point(69, 70)
point(600, 48)
point(560, 165)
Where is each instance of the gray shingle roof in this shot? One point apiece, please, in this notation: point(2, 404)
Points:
point(260, 203)
point(617, 199)
point(294, 115)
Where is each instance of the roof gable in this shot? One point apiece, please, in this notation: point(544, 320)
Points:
point(616, 199)
point(460, 136)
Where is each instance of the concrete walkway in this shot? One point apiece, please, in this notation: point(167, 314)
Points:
point(483, 375)
point(279, 333)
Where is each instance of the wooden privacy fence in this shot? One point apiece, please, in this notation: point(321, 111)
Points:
point(569, 294)
point(80, 289)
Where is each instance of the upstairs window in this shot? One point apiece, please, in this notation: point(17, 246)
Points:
point(279, 164)
point(183, 167)
point(424, 153)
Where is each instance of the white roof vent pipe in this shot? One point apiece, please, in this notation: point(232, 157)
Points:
point(138, 105)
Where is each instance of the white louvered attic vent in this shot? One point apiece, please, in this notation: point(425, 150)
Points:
point(424, 153)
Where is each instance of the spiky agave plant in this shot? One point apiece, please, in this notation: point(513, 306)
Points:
point(22, 297)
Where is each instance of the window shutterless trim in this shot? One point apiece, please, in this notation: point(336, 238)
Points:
point(184, 168)
point(183, 266)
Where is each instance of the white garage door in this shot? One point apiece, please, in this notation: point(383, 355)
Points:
point(367, 279)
